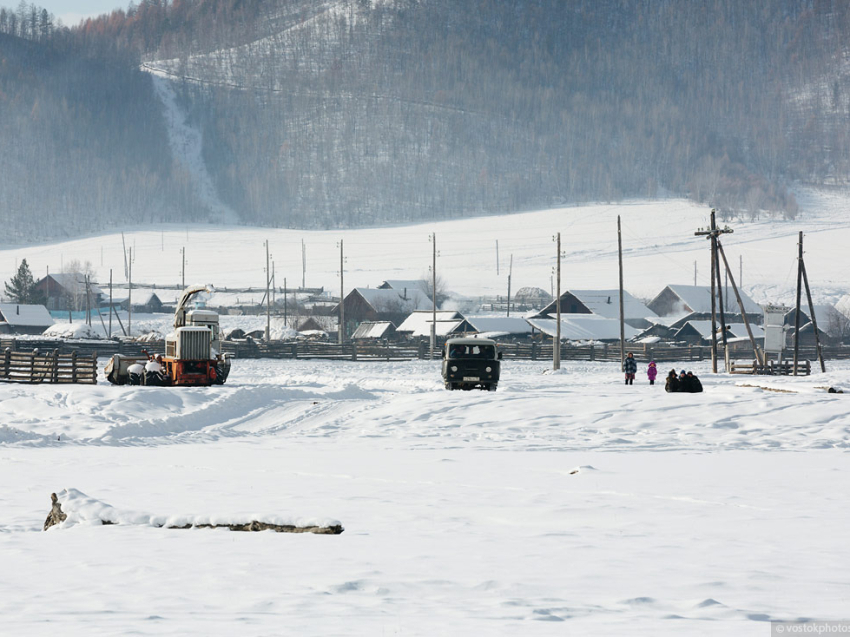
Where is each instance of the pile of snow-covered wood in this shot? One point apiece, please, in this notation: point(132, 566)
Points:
point(71, 507)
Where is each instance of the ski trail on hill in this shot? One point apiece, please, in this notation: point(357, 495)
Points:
point(186, 145)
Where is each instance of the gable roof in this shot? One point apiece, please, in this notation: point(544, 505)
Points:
point(698, 299)
point(73, 282)
point(388, 300)
point(405, 284)
point(500, 324)
point(586, 327)
point(25, 315)
point(604, 303)
point(373, 329)
point(733, 330)
point(448, 322)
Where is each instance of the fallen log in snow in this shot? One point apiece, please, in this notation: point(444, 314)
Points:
point(71, 507)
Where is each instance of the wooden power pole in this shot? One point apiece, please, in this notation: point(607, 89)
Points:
point(510, 273)
point(341, 330)
point(433, 293)
point(712, 233)
point(622, 311)
point(556, 350)
point(797, 306)
point(268, 297)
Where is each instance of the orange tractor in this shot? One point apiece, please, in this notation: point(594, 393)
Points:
point(192, 352)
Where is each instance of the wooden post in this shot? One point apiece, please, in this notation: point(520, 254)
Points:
point(341, 330)
point(713, 305)
point(55, 371)
point(556, 349)
point(268, 298)
point(741, 306)
point(74, 364)
point(814, 319)
point(7, 362)
point(799, 292)
point(94, 368)
point(434, 294)
point(110, 302)
point(622, 311)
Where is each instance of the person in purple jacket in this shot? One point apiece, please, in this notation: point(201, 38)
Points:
point(652, 372)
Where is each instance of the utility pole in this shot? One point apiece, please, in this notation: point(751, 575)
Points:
point(303, 265)
point(341, 330)
point(814, 318)
point(510, 272)
point(712, 233)
point(799, 289)
point(274, 287)
point(433, 293)
point(268, 296)
point(756, 352)
point(110, 302)
point(130, 294)
point(622, 311)
point(556, 350)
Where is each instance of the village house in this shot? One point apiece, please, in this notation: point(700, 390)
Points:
point(67, 291)
point(601, 303)
point(370, 304)
point(16, 318)
point(694, 301)
point(449, 323)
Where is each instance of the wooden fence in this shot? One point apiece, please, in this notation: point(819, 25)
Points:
point(49, 367)
point(402, 351)
point(86, 347)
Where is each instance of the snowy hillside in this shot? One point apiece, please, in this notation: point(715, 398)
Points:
point(658, 241)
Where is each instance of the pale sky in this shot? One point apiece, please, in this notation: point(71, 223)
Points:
point(72, 11)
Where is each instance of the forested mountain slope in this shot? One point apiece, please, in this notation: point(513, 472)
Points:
point(360, 112)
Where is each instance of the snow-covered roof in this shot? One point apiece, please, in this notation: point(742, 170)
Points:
point(422, 319)
point(504, 325)
point(74, 282)
point(733, 330)
point(376, 329)
point(408, 284)
point(583, 327)
point(419, 323)
point(395, 300)
point(698, 298)
point(606, 303)
point(16, 314)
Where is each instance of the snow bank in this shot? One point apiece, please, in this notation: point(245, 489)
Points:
point(72, 330)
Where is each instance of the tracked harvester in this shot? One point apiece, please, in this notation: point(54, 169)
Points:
point(192, 352)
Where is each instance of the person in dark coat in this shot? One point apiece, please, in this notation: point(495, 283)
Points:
point(630, 367)
point(695, 385)
point(684, 382)
point(672, 383)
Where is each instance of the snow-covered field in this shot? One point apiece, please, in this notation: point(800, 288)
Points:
point(564, 503)
point(658, 241)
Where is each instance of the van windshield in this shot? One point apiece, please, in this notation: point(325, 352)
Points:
point(472, 351)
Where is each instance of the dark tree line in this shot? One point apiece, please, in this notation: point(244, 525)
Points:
point(382, 112)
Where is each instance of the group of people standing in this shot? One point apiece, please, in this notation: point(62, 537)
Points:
point(685, 382)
